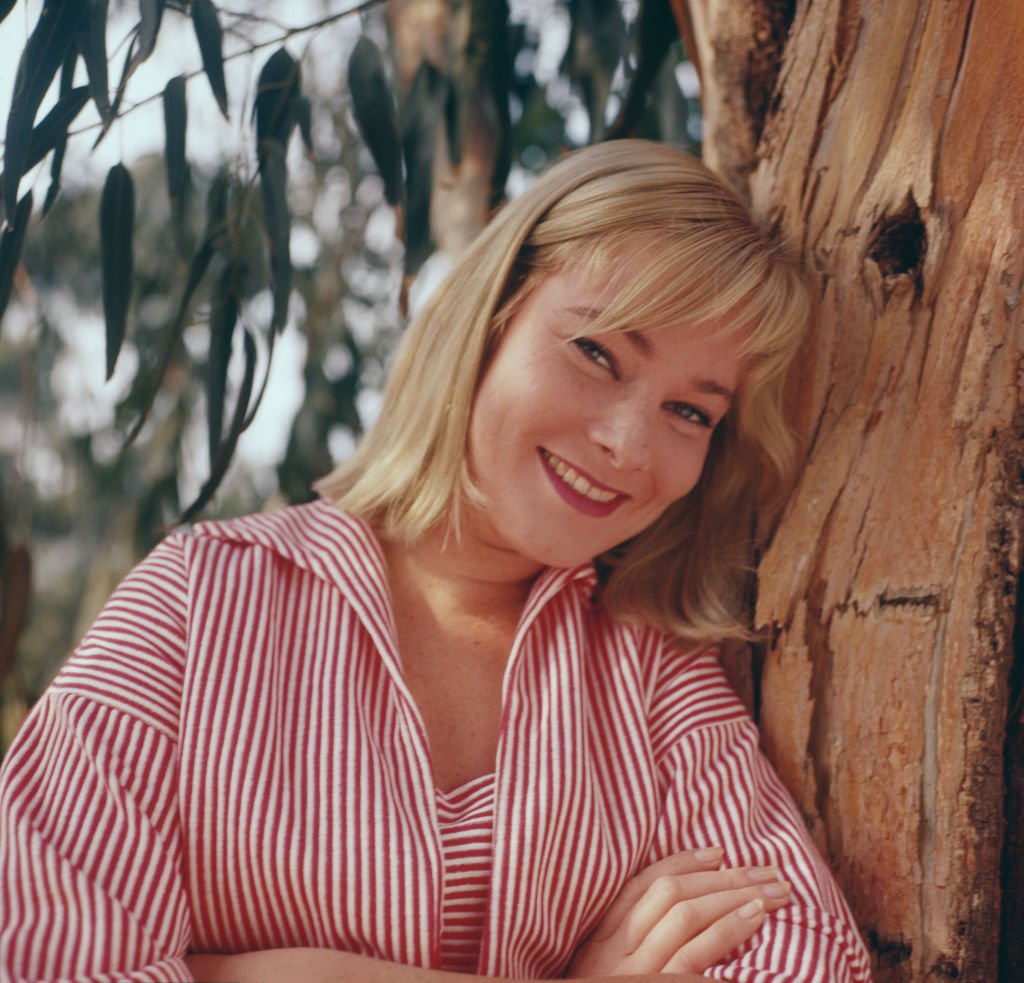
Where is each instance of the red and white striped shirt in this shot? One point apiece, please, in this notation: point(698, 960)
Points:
point(232, 761)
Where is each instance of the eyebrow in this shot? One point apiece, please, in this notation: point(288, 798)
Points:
point(713, 388)
point(638, 340)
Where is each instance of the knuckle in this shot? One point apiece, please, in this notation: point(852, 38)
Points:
point(683, 919)
point(666, 889)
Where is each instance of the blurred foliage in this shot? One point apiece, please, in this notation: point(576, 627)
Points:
point(191, 270)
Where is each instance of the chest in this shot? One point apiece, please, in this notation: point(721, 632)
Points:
point(309, 808)
point(454, 674)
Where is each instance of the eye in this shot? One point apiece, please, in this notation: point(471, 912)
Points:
point(595, 353)
point(689, 413)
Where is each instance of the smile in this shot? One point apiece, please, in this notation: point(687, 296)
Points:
point(579, 491)
point(576, 481)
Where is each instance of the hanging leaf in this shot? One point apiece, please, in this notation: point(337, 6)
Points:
point(126, 73)
point(67, 78)
point(53, 128)
point(420, 117)
point(223, 318)
point(596, 44)
point(374, 111)
point(211, 39)
point(16, 593)
point(44, 52)
point(56, 165)
point(304, 119)
point(278, 87)
point(151, 13)
point(213, 239)
point(453, 122)
point(657, 31)
point(12, 241)
point(228, 444)
point(175, 123)
point(92, 43)
point(141, 46)
point(117, 225)
point(277, 221)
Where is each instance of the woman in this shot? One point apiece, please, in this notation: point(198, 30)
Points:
point(463, 713)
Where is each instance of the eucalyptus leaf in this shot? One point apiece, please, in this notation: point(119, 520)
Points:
point(43, 55)
point(175, 125)
point(206, 23)
point(228, 444)
point(213, 239)
point(126, 73)
point(223, 318)
point(16, 591)
point(657, 31)
point(303, 110)
point(277, 221)
point(67, 76)
point(421, 115)
point(53, 128)
point(373, 107)
point(92, 44)
point(117, 226)
point(596, 45)
point(12, 242)
point(277, 90)
point(151, 14)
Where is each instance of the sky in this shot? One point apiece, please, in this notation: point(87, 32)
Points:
point(79, 375)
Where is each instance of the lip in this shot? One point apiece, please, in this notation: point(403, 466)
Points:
point(572, 497)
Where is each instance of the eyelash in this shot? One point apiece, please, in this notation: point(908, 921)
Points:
point(596, 353)
point(600, 355)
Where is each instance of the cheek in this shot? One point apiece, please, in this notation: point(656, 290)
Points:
point(684, 466)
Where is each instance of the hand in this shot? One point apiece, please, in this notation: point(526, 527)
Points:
point(680, 915)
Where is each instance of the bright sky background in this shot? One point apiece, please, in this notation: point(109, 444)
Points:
point(79, 375)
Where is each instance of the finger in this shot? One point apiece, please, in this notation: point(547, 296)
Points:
point(685, 921)
point(668, 891)
point(633, 890)
point(719, 939)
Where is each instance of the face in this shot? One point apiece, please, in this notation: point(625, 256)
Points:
point(577, 442)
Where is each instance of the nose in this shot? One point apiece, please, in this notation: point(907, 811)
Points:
point(623, 432)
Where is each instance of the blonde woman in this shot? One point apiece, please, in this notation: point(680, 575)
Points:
point(464, 713)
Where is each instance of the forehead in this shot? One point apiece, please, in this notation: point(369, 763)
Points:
point(571, 304)
point(610, 298)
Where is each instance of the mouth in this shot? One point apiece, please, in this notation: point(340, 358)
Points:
point(582, 492)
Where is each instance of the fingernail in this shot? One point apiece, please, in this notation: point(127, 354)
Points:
point(777, 890)
point(763, 874)
point(708, 855)
point(751, 909)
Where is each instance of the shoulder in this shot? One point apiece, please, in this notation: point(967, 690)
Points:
point(294, 528)
point(690, 692)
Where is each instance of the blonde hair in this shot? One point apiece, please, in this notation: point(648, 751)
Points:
point(703, 257)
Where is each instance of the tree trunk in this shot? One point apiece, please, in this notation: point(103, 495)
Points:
point(887, 142)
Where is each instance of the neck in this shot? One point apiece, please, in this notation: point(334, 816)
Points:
point(480, 581)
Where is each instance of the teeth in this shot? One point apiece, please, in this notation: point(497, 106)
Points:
point(576, 481)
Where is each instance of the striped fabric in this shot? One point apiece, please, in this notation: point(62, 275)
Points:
point(232, 761)
point(465, 818)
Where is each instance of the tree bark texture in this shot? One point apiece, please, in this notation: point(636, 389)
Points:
point(886, 140)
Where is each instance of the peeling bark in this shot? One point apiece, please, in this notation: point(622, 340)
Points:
point(891, 154)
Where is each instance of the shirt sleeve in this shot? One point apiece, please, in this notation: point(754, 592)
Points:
point(719, 790)
point(90, 847)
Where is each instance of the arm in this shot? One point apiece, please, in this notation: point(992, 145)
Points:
point(324, 966)
point(637, 940)
point(719, 788)
point(89, 845)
